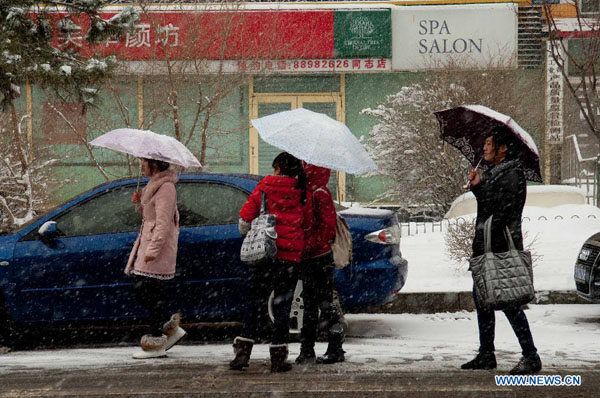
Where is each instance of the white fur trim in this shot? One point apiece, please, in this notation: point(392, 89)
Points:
point(240, 338)
point(278, 345)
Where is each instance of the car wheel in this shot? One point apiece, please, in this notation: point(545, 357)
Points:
point(296, 312)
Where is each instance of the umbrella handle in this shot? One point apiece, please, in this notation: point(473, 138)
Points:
point(137, 188)
point(468, 184)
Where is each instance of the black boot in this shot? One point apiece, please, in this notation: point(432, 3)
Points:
point(279, 354)
point(307, 353)
point(484, 361)
point(527, 366)
point(334, 352)
point(242, 348)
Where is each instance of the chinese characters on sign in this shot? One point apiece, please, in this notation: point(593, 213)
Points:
point(69, 34)
point(140, 36)
point(166, 36)
point(314, 65)
point(143, 35)
point(554, 98)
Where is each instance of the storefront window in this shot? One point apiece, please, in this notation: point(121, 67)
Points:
point(297, 84)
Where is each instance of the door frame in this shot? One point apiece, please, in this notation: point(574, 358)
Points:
point(296, 100)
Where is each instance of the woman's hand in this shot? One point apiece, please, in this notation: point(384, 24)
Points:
point(136, 197)
point(148, 258)
point(474, 177)
point(243, 226)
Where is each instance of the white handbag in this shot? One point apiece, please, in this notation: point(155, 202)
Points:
point(259, 243)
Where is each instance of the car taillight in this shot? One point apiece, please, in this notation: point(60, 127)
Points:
point(386, 236)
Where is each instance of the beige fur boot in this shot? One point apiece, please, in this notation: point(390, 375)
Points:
point(152, 347)
point(173, 331)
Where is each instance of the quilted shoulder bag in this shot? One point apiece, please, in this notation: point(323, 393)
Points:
point(259, 243)
point(502, 280)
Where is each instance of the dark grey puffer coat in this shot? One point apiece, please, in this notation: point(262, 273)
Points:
point(500, 193)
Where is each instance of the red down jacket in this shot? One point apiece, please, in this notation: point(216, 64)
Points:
point(285, 201)
point(319, 212)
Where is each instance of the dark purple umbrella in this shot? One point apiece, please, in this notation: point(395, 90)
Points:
point(464, 128)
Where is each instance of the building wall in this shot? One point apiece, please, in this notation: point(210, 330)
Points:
point(228, 136)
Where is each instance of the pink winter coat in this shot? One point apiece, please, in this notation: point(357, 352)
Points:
point(160, 229)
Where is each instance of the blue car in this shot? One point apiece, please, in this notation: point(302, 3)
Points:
point(67, 265)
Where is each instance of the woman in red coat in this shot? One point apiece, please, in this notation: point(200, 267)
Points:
point(285, 194)
point(317, 270)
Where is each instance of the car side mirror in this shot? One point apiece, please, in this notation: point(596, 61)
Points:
point(48, 230)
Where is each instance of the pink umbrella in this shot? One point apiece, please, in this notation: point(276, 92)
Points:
point(149, 145)
point(465, 128)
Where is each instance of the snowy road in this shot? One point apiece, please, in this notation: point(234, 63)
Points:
point(567, 336)
point(386, 354)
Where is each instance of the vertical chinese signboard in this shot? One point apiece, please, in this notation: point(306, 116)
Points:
point(554, 97)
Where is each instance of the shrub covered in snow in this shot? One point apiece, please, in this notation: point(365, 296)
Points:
point(405, 143)
point(24, 181)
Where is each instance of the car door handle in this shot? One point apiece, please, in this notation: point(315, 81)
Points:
point(3, 263)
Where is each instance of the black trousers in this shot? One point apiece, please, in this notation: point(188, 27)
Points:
point(317, 293)
point(486, 320)
point(280, 277)
point(150, 293)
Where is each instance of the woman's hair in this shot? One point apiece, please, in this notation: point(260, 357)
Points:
point(158, 164)
point(291, 167)
point(503, 136)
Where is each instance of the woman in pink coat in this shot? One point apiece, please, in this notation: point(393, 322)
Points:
point(152, 260)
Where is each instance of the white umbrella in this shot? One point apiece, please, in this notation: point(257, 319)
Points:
point(149, 145)
point(315, 138)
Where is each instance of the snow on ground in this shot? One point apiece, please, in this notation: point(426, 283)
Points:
point(559, 233)
point(566, 335)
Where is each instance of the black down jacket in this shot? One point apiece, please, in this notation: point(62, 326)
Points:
point(500, 193)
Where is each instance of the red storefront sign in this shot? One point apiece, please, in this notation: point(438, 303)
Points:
point(214, 35)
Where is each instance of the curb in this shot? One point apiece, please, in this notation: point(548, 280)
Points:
point(429, 303)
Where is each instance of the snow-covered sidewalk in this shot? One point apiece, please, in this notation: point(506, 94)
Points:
point(559, 233)
point(566, 335)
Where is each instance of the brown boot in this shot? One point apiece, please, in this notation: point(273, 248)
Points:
point(279, 354)
point(242, 348)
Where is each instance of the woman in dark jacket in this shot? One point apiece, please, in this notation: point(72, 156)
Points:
point(285, 195)
point(500, 192)
point(317, 270)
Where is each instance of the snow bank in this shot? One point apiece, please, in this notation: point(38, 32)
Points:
point(559, 233)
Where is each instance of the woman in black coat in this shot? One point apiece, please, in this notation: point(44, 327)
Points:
point(500, 192)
